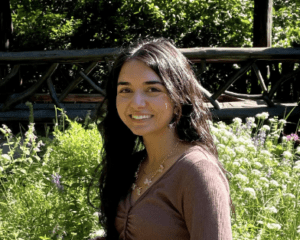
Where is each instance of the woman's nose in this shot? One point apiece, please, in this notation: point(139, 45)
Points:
point(138, 99)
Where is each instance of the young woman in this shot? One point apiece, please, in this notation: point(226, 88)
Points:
point(160, 174)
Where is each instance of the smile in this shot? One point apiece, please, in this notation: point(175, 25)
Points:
point(141, 118)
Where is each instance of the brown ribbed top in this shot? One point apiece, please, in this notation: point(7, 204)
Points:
point(190, 201)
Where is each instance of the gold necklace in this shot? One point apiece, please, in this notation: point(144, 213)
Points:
point(149, 181)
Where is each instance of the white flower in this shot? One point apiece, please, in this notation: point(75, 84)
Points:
point(257, 165)
point(256, 172)
point(298, 150)
point(273, 226)
point(250, 119)
point(237, 121)
point(283, 186)
point(1, 169)
point(265, 153)
point(284, 139)
point(237, 164)
point(297, 163)
point(225, 157)
point(296, 168)
point(253, 125)
point(264, 115)
point(243, 160)
point(251, 148)
point(271, 120)
point(263, 179)
point(289, 195)
point(286, 174)
point(6, 156)
point(230, 152)
point(282, 121)
point(274, 183)
point(241, 178)
point(224, 139)
point(287, 154)
point(271, 209)
point(258, 115)
point(251, 192)
point(241, 150)
point(221, 147)
point(265, 128)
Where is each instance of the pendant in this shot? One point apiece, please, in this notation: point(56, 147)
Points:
point(161, 168)
point(139, 191)
point(147, 182)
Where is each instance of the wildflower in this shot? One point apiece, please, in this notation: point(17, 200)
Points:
point(265, 128)
point(298, 150)
point(273, 226)
point(221, 147)
point(250, 119)
point(251, 192)
point(237, 164)
point(244, 160)
point(271, 209)
point(225, 157)
point(1, 169)
point(224, 139)
point(284, 139)
point(259, 116)
point(282, 121)
point(287, 154)
point(230, 152)
point(6, 156)
point(257, 165)
point(237, 121)
point(241, 150)
point(241, 178)
point(56, 181)
point(274, 183)
point(251, 148)
point(265, 153)
point(286, 174)
point(289, 195)
point(272, 120)
point(264, 115)
point(259, 140)
point(263, 179)
point(256, 172)
point(292, 137)
point(270, 172)
point(296, 168)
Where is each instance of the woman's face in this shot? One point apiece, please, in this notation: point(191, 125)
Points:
point(140, 92)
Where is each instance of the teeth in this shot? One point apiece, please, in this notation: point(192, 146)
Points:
point(141, 117)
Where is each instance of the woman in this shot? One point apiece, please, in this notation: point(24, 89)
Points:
point(160, 174)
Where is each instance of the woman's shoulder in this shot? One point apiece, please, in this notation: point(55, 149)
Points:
point(196, 154)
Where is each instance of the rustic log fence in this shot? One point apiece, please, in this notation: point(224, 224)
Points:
point(263, 62)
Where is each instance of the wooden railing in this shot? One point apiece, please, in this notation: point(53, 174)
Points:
point(256, 60)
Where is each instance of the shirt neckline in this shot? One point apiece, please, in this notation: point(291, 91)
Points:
point(159, 179)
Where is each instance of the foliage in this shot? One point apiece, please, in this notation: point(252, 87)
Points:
point(264, 177)
point(45, 196)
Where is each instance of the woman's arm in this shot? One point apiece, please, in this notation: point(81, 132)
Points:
point(206, 202)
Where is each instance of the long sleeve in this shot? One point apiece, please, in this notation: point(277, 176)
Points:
point(206, 202)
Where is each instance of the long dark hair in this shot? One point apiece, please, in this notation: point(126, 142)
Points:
point(122, 150)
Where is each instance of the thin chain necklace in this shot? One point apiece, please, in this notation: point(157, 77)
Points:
point(149, 181)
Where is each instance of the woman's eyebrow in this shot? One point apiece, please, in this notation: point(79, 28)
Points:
point(146, 83)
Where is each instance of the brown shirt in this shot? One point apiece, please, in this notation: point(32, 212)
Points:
point(189, 201)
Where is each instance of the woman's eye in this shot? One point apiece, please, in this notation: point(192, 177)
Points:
point(156, 90)
point(152, 89)
point(121, 91)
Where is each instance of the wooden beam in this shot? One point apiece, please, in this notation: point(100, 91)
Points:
point(262, 24)
point(88, 55)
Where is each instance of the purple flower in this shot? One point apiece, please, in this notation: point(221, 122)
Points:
point(259, 140)
point(292, 137)
point(56, 181)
